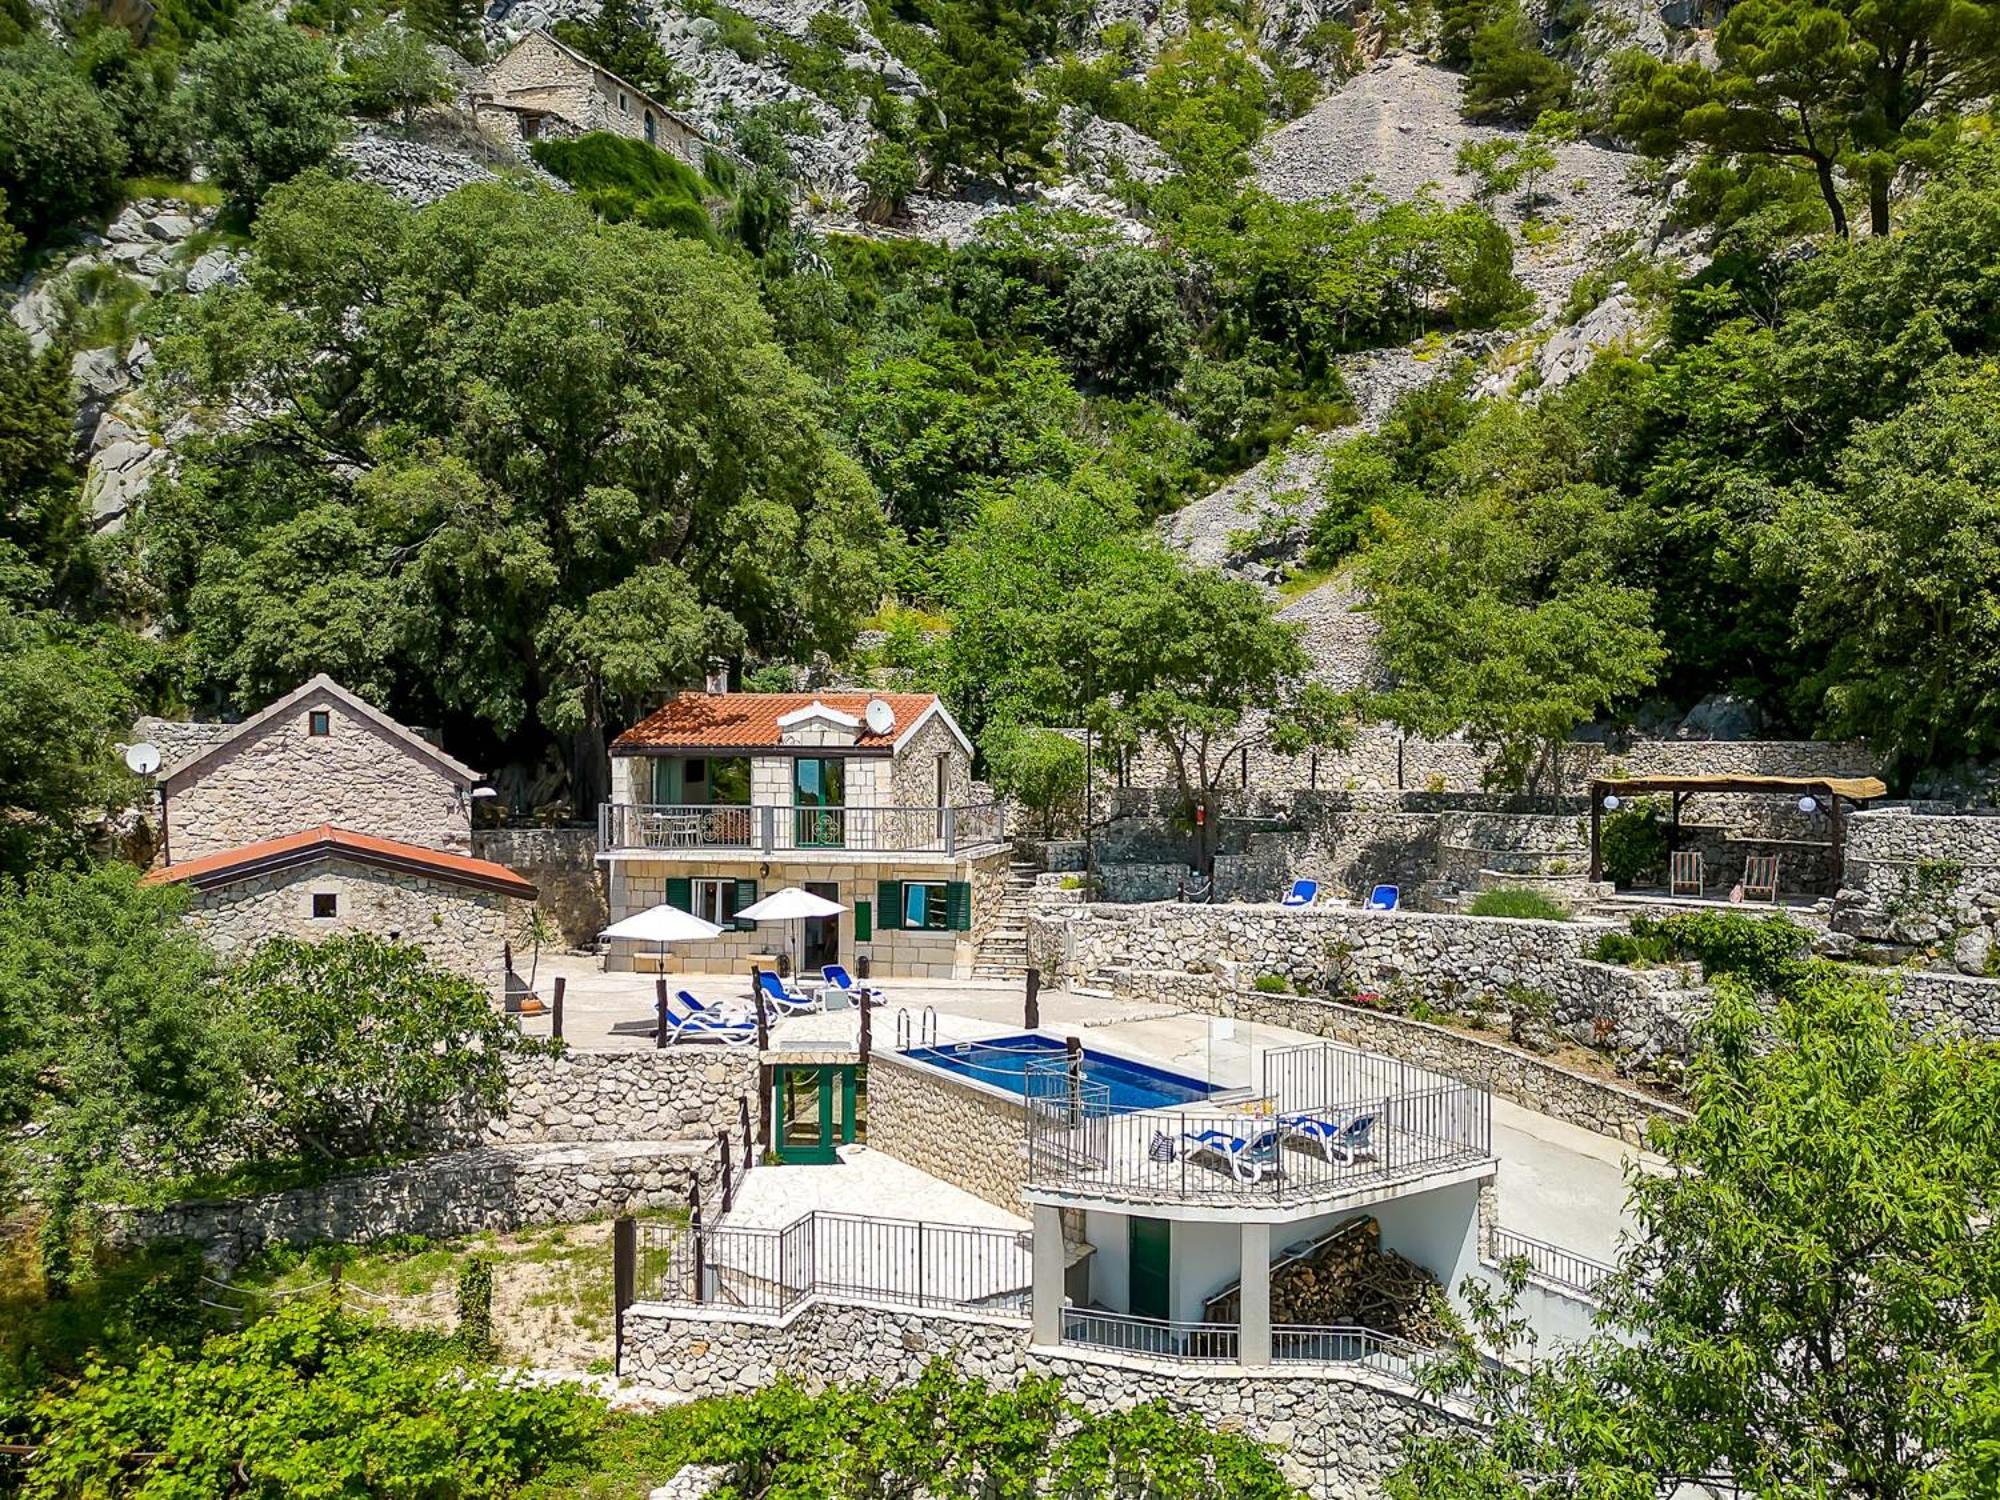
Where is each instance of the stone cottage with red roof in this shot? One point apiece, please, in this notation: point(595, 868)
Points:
point(719, 799)
point(322, 815)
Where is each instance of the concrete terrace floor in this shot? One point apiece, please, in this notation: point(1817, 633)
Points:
point(1557, 1182)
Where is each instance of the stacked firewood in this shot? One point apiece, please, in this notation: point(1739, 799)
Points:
point(1349, 1280)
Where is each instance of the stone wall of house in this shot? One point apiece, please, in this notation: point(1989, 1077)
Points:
point(964, 1135)
point(562, 862)
point(279, 779)
point(1923, 879)
point(448, 1194)
point(637, 883)
point(913, 778)
point(1338, 1430)
point(538, 74)
point(460, 927)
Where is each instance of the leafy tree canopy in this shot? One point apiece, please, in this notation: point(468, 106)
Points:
point(266, 104)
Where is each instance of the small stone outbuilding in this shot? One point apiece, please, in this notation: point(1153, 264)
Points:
point(327, 880)
point(543, 89)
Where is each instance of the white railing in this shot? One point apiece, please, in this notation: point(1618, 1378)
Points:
point(1565, 1268)
point(1151, 1338)
point(792, 828)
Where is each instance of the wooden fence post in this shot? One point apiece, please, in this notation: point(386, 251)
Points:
point(624, 1282)
point(1032, 1012)
point(660, 1012)
point(555, 1012)
point(722, 1152)
point(867, 1030)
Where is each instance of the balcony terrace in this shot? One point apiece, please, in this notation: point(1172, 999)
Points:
point(816, 832)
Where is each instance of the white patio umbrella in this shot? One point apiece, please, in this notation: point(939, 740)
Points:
point(662, 925)
point(791, 905)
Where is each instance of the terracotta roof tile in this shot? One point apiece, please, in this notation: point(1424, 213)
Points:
point(749, 721)
point(228, 865)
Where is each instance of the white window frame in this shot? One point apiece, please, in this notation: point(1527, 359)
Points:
point(714, 899)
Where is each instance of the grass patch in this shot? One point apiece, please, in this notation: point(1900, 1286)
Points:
point(196, 194)
point(1513, 902)
point(1272, 984)
point(1305, 580)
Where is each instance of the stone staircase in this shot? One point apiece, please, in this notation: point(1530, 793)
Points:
point(1003, 951)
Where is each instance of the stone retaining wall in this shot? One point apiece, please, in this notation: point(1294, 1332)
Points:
point(1338, 1432)
point(673, 1093)
point(562, 862)
point(453, 1193)
point(1928, 999)
point(965, 1135)
point(1925, 880)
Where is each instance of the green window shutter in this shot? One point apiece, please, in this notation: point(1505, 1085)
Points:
point(746, 895)
point(680, 892)
point(864, 921)
point(889, 904)
point(957, 905)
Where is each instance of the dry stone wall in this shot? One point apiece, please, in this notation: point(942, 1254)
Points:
point(666, 1094)
point(449, 1194)
point(1338, 1431)
point(1924, 880)
point(562, 862)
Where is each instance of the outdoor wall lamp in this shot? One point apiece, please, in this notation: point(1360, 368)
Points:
point(1611, 802)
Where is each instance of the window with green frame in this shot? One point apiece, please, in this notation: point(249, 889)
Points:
point(923, 905)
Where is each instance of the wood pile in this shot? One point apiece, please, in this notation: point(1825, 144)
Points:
point(1348, 1279)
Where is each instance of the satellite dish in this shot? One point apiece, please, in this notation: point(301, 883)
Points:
point(881, 717)
point(142, 759)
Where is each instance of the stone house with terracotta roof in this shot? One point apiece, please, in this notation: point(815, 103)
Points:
point(868, 799)
point(320, 815)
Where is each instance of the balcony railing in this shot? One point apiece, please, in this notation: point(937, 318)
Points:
point(795, 829)
point(1330, 1120)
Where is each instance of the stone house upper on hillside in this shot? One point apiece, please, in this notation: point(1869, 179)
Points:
point(864, 798)
point(323, 815)
point(544, 88)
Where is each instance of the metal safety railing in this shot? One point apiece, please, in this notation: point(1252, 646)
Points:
point(1152, 1338)
point(839, 1257)
point(1564, 1268)
point(1344, 1344)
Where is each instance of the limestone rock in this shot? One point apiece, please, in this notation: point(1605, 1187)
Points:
point(215, 268)
point(1722, 716)
point(1972, 952)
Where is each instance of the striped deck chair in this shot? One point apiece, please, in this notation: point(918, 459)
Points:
point(1760, 878)
point(1685, 876)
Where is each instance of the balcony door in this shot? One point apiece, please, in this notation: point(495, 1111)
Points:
point(819, 795)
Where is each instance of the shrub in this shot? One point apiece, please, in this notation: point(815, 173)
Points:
point(1041, 769)
point(393, 73)
point(1125, 321)
point(1272, 984)
point(1512, 902)
point(60, 152)
point(267, 104)
point(889, 172)
point(601, 160)
point(1633, 843)
point(1767, 952)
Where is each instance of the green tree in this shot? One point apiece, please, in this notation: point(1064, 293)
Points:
point(139, 87)
point(114, 1048)
point(1898, 574)
point(1042, 769)
point(1868, 89)
point(984, 121)
point(308, 1399)
point(620, 37)
point(1805, 1302)
point(453, 23)
point(1196, 665)
point(481, 526)
point(267, 105)
point(367, 1048)
point(392, 72)
point(889, 172)
point(1125, 321)
point(1509, 77)
point(41, 524)
point(60, 153)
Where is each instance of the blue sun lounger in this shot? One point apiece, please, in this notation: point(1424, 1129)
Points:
point(786, 1002)
point(706, 1025)
point(1250, 1159)
point(1341, 1140)
point(1302, 893)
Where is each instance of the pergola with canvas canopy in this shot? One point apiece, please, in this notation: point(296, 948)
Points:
point(1828, 791)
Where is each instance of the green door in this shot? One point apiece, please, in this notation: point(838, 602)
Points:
point(1149, 1249)
point(813, 1110)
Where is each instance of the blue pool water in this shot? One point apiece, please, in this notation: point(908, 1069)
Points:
point(1002, 1062)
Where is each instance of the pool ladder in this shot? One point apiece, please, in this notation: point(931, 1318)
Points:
point(926, 1028)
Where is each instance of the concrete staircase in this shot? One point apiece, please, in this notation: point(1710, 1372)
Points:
point(1003, 951)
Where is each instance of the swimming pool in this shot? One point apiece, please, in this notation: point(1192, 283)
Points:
point(1002, 1062)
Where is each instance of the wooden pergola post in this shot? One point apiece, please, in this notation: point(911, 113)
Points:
point(1596, 831)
